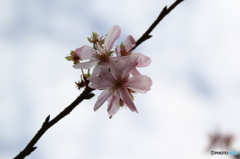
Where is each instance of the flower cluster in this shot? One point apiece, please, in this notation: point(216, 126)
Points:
point(114, 72)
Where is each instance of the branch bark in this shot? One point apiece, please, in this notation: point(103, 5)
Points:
point(47, 124)
point(163, 13)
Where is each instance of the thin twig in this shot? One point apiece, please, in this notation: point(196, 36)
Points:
point(47, 124)
point(164, 12)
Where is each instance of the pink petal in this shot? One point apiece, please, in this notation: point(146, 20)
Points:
point(118, 51)
point(131, 63)
point(129, 42)
point(86, 65)
point(135, 72)
point(101, 78)
point(124, 65)
point(143, 60)
point(105, 74)
point(85, 52)
point(102, 98)
point(117, 67)
point(140, 83)
point(126, 58)
point(113, 104)
point(100, 83)
point(127, 99)
point(112, 35)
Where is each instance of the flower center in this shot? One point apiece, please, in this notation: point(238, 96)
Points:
point(119, 83)
point(103, 58)
point(76, 58)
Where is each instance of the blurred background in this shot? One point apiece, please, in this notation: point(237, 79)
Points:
point(195, 71)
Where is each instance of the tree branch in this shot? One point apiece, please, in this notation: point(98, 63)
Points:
point(164, 12)
point(86, 94)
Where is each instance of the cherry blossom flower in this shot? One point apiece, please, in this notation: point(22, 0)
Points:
point(116, 75)
point(101, 55)
point(118, 86)
point(124, 49)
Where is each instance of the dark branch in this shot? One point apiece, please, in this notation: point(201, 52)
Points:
point(86, 94)
point(164, 12)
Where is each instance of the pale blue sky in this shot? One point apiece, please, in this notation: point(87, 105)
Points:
point(195, 71)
